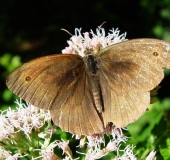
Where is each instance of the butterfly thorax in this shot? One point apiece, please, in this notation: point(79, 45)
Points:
point(91, 67)
point(92, 64)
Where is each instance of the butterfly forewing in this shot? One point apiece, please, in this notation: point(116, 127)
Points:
point(46, 80)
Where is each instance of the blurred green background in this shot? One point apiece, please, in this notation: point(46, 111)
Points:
point(30, 29)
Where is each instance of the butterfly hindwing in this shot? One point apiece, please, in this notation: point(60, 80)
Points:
point(78, 113)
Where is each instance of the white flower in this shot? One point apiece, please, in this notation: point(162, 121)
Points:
point(127, 154)
point(27, 117)
point(7, 155)
point(6, 128)
point(24, 118)
point(151, 155)
point(98, 147)
point(47, 151)
point(81, 43)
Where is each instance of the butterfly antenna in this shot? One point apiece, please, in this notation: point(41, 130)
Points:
point(66, 31)
point(102, 24)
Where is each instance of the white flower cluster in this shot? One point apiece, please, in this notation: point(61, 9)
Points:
point(78, 43)
point(24, 118)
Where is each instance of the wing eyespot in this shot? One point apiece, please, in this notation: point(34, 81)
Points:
point(155, 53)
point(27, 78)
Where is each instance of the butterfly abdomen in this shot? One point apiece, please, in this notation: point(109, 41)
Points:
point(91, 64)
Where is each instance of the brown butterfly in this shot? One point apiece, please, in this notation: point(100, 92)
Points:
point(83, 94)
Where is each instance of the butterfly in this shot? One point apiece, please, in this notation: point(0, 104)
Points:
point(84, 94)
